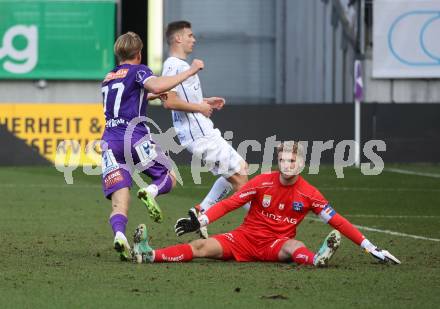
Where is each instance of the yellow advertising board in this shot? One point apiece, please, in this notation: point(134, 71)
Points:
point(72, 128)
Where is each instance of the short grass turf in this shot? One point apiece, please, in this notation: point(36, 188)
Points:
point(56, 248)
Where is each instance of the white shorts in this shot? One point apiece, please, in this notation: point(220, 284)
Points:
point(216, 154)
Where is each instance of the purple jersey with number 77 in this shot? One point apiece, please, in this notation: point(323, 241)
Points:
point(125, 98)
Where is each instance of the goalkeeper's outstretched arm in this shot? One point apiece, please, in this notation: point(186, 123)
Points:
point(193, 223)
point(338, 222)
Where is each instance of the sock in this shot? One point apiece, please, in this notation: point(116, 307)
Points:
point(164, 184)
point(118, 223)
point(367, 245)
point(178, 253)
point(219, 191)
point(152, 190)
point(303, 256)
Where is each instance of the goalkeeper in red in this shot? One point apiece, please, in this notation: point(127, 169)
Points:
point(279, 202)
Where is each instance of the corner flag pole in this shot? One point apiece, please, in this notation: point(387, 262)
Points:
point(358, 94)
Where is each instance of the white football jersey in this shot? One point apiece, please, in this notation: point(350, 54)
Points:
point(188, 126)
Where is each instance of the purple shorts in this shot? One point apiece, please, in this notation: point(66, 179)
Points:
point(143, 155)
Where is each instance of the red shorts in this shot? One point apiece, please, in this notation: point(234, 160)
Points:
point(242, 247)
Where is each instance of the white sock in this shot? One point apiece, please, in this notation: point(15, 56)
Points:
point(219, 191)
point(153, 190)
point(367, 245)
point(121, 235)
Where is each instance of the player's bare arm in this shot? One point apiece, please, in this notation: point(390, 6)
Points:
point(216, 102)
point(152, 96)
point(164, 83)
point(193, 222)
point(174, 102)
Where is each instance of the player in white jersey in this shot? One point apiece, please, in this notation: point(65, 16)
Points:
point(194, 128)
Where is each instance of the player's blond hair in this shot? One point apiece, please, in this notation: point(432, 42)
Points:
point(296, 148)
point(288, 146)
point(127, 46)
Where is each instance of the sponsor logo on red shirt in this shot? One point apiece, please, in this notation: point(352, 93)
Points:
point(267, 183)
point(279, 218)
point(318, 205)
point(244, 194)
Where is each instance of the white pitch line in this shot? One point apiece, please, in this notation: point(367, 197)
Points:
point(366, 228)
point(407, 172)
point(391, 216)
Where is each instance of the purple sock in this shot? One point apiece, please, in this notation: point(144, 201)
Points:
point(164, 184)
point(118, 223)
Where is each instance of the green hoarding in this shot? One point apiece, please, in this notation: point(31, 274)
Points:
point(56, 39)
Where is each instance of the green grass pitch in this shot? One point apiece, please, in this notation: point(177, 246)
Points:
point(56, 248)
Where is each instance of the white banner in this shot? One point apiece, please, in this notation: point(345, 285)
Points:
point(406, 39)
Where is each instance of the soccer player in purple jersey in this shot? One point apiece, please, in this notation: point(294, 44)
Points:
point(125, 101)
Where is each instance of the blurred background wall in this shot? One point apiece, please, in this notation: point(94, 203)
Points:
point(292, 56)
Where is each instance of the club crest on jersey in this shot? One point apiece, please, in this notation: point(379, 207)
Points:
point(140, 75)
point(297, 206)
point(281, 206)
point(266, 200)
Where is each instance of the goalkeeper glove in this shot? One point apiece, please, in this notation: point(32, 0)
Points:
point(187, 225)
point(383, 256)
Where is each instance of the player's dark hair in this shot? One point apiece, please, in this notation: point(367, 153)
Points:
point(174, 27)
point(127, 46)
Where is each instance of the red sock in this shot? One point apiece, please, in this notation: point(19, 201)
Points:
point(178, 253)
point(303, 256)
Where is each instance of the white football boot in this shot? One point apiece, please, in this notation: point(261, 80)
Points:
point(328, 248)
